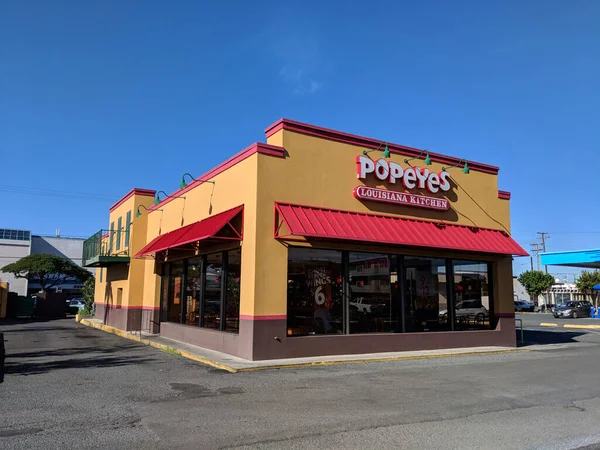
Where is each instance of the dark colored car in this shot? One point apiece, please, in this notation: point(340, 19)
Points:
point(573, 310)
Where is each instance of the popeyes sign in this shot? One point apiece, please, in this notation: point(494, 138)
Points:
point(411, 178)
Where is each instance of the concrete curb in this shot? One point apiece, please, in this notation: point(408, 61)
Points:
point(568, 325)
point(208, 362)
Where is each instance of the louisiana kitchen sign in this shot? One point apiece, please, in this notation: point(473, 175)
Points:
point(410, 178)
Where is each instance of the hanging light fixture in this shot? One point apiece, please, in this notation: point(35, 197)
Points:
point(464, 170)
point(183, 184)
point(427, 160)
point(157, 199)
point(386, 150)
point(138, 213)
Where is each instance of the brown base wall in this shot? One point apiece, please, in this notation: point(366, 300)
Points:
point(267, 346)
point(127, 319)
point(266, 339)
point(230, 343)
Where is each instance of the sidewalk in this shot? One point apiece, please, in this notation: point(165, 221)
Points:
point(234, 364)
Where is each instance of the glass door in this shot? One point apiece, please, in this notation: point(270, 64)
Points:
point(425, 294)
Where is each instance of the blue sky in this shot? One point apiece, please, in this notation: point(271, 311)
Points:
point(87, 87)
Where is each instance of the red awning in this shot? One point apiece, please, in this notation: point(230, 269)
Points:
point(314, 222)
point(205, 229)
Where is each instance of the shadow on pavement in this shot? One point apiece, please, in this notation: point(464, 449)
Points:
point(71, 351)
point(542, 337)
point(36, 368)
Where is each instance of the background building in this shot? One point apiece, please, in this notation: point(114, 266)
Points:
point(16, 244)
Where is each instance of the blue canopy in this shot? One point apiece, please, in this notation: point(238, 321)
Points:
point(597, 287)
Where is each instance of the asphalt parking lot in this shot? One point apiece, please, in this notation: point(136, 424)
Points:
point(69, 386)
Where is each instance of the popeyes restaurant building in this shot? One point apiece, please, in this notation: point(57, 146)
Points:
point(316, 243)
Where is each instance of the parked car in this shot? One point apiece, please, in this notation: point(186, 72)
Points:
point(523, 306)
point(75, 305)
point(573, 310)
point(467, 308)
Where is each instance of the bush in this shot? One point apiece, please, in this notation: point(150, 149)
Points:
point(88, 294)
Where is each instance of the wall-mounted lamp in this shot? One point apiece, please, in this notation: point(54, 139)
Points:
point(465, 169)
point(386, 152)
point(427, 158)
point(138, 213)
point(157, 199)
point(183, 184)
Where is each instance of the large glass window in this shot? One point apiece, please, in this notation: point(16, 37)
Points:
point(175, 292)
point(472, 303)
point(315, 303)
point(425, 294)
point(193, 291)
point(232, 305)
point(371, 278)
point(203, 291)
point(212, 293)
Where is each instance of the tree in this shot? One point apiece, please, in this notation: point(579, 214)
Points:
point(87, 293)
point(535, 282)
point(586, 282)
point(46, 270)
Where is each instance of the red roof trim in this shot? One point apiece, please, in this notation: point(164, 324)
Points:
point(197, 231)
point(257, 147)
point(369, 143)
point(505, 195)
point(134, 191)
point(309, 221)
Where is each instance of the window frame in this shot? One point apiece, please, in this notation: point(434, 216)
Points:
point(399, 299)
point(167, 273)
point(119, 226)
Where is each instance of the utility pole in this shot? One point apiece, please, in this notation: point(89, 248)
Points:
point(535, 250)
point(544, 236)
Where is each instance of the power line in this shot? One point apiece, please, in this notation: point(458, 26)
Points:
point(544, 236)
point(57, 194)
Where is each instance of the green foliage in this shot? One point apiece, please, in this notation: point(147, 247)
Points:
point(87, 293)
point(587, 280)
point(46, 270)
point(535, 282)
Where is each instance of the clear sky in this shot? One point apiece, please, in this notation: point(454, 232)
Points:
point(99, 97)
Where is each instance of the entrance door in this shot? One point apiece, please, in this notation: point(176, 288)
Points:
point(425, 298)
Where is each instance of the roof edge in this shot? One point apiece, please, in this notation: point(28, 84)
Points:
point(131, 193)
point(257, 147)
point(369, 143)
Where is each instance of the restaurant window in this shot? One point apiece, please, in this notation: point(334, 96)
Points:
point(212, 293)
point(119, 224)
point(232, 303)
point(111, 237)
point(127, 228)
point(373, 283)
point(175, 292)
point(193, 291)
point(472, 302)
point(425, 294)
point(314, 293)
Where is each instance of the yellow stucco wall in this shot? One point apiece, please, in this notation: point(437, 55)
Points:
point(233, 187)
point(315, 172)
point(322, 173)
point(128, 277)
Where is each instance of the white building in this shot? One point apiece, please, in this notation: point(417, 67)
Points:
point(14, 245)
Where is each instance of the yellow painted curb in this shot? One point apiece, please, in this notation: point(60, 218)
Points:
point(586, 327)
point(543, 324)
point(208, 362)
point(373, 360)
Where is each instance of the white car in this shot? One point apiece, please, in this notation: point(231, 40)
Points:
point(467, 308)
point(76, 305)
